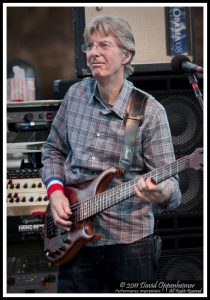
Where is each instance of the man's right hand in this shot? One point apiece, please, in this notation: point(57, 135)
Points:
point(60, 210)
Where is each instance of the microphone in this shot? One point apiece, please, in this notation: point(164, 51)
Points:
point(182, 64)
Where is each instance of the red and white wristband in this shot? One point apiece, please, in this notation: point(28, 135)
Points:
point(54, 185)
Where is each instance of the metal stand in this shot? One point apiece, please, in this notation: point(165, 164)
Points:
point(193, 81)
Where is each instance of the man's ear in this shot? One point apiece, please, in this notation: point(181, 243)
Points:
point(126, 57)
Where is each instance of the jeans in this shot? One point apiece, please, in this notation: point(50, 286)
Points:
point(102, 269)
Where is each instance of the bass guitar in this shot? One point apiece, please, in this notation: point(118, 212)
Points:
point(61, 246)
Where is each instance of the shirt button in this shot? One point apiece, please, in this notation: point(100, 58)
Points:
point(93, 157)
point(98, 134)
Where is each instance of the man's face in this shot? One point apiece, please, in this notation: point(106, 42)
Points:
point(105, 58)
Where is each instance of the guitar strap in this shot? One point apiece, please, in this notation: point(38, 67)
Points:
point(133, 119)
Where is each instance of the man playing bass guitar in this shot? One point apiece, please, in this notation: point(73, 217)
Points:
point(85, 140)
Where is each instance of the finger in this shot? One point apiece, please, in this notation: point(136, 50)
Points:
point(62, 210)
point(137, 191)
point(153, 187)
point(140, 194)
point(67, 210)
point(150, 184)
point(61, 223)
point(61, 218)
point(142, 183)
point(149, 193)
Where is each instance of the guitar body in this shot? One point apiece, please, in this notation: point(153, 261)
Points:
point(61, 246)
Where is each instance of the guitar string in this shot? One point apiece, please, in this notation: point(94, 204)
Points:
point(119, 191)
point(129, 182)
point(123, 189)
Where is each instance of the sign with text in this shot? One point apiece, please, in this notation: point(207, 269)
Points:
point(178, 31)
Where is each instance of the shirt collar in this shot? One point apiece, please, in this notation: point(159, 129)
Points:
point(122, 99)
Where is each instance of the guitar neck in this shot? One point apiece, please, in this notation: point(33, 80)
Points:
point(125, 190)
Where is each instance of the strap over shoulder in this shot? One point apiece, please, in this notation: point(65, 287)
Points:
point(134, 117)
point(136, 106)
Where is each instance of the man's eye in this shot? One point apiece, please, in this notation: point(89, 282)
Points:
point(104, 45)
point(89, 46)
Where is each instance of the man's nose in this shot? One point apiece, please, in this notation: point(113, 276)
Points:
point(95, 49)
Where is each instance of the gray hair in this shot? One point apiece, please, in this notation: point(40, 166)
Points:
point(119, 28)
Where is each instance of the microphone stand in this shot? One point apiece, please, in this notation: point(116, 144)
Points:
point(193, 81)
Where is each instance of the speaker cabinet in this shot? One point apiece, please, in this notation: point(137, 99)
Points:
point(191, 185)
point(181, 229)
point(184, 266)
point(186, 123)
point(185, 119)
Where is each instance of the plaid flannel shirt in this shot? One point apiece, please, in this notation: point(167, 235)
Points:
point(87, 137)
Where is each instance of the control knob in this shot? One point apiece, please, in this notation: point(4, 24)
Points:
point(28, 117)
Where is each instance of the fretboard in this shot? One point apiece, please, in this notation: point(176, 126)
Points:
point(125, 190)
